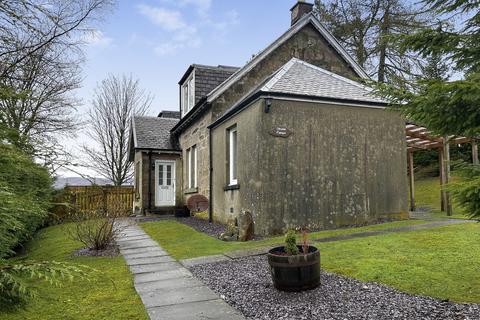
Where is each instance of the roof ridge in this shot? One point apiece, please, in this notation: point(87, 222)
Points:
point(277, 75)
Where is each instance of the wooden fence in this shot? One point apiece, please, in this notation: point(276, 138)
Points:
point(118, 200)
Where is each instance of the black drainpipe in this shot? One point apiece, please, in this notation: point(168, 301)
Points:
point(210, 191)
point(149, 181)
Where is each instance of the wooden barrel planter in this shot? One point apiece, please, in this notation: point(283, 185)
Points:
point(295, 273)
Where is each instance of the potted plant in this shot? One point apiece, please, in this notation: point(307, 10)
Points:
point(295, 267)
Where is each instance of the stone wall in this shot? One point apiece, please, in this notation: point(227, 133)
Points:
point(197, 134)
point(307, 45)
point(340, 166)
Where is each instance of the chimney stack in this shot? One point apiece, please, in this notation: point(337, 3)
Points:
point(300, 9)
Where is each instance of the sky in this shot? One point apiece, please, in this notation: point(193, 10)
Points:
point(156, 40)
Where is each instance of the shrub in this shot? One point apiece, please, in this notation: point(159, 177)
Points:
point(25, 190)
point(96, 229)
point(466, 191)
point(291, 243)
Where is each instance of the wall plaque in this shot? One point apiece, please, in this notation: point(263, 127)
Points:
point(281, 132)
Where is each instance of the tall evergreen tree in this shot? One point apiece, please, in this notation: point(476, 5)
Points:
point(367, 28)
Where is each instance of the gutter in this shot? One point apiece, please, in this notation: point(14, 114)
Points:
point(149, 180)
point(210, 179)
point(294, 97)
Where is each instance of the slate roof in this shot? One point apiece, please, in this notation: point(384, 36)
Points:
point(154, 133)
point(169, 114)
point(208, 78)
point(298, 77)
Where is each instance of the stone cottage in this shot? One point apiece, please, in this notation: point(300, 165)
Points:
point(293, 136)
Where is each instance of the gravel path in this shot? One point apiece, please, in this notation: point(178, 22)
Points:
point(212, 229)
point(246, 285)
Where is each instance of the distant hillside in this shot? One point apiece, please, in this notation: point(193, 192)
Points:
point(61, 182)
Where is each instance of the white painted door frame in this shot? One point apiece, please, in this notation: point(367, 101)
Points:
point(164, 186)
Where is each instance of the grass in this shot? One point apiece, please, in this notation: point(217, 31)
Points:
point(183, 242)
point(427, 194)
point(108, 294)
point(440, 262)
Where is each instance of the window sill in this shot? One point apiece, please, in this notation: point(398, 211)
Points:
point(191, 190)
point(231, 187)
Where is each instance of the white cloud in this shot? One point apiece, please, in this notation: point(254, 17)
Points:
point(169, 20)
point(186, 32)
point(97, 38)
point(203, 6)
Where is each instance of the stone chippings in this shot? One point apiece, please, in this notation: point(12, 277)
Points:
point(246, 285)
point(212, 229)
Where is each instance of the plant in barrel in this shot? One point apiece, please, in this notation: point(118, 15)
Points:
point(295, 267)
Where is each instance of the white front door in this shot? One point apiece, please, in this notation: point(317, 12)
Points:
point(164, 183)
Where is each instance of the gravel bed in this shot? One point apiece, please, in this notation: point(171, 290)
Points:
point(247, 286)
point(110, 251)
point(212, 229)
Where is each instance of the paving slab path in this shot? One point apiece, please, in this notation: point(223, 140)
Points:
point(167, 289)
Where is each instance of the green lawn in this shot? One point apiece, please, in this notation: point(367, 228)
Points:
point(440, 262)
point(427, 194)
point(183, 242)
point(109, 294)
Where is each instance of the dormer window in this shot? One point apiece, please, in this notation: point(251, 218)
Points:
point(188, 93)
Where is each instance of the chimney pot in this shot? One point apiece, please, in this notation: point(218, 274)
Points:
point(300, 9)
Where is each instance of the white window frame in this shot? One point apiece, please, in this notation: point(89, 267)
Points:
point(232, 156)
point(192, 152)
point(188, 99)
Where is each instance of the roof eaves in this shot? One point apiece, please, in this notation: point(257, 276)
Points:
point(308, 18)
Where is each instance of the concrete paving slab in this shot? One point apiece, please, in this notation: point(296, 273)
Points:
point(133, 238)
point(162, 275)
point(212, 310)
point(144, 254)
point(169, 284)
point(187, 263)
point(153, 267)
point(148, 260)
point(137, 244)
point(162, 297)
point(168, 290)
point(152, 250)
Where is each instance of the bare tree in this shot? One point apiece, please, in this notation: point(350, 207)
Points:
point(116, 100)
point(27, 26)
point(40, 66)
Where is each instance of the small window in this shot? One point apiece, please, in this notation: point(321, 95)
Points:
point(192, 167)
point(188, 94)
point(232, 156)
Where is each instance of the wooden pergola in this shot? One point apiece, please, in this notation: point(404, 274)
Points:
point(420, 138)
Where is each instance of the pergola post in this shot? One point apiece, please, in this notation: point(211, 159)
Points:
point(411, 177)
point(446, 172)
point(474, 152)
point(441, 168)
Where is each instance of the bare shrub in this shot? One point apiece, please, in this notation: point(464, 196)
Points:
point(96, 229)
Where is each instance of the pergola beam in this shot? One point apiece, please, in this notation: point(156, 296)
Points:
point(419, 138)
